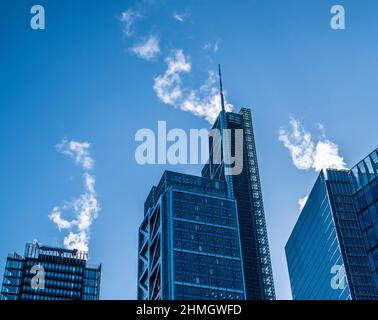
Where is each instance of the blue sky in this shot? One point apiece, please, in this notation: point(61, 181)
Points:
point(79, 79)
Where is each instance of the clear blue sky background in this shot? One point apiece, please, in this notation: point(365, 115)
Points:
point(78, 79)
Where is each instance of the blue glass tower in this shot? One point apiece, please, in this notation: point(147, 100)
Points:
point(364, 184)
point(189, 244)
point(245, 188)
point(47, 273)
point(329, 253)
point(241, 267)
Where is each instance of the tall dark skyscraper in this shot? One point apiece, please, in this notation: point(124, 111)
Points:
point(240, 184)
point(246, 189)
point(332, 252)
point(47, 273)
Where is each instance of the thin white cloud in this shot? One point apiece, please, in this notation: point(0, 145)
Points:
point(307, 153)
point(204, 102)
point(168, 86)
point(181, 17)
point(148, 49)
point(79, 151)
point(302, 202)
point(86, 207)
point(209, 46)
point(128, 18)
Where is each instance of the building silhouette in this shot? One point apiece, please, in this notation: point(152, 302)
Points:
point(48, 273)
point(245, 187)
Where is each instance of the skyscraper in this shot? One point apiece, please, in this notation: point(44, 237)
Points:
point(189, 244)
point(245, 188)
point(364, 185)
point(47, 273)
point(330, 252)
point(240, 185)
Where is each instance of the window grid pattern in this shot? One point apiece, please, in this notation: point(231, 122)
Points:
point(62, 278)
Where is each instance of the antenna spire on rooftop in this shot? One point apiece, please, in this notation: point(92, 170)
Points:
point(221, 87)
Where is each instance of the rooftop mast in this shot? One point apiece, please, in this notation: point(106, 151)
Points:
point(221, 88)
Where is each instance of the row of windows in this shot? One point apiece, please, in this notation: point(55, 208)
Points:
point(369, 216)
point(58, 276)
point(365, 290)
point(14, 264)
point(56, 283)
point(226, 218)
point(352, 233)
point(357, 261)
point(207, 248)
point(349, 224)
point(26, 296)
point(187, 198)
point(52, 292)
point(207, 270)
point(209, 281)
point(230, 239)
point(365, 171)
point(193, 293)
point(373, 259)
point(371, 237)
point(48, 266)
point(91, 274)
point(362, 280)
point(13, 273)
point(367, 195)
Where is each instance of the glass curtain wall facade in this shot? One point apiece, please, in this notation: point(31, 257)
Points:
point(313, 249)
point(62, 275)
point(246, 189)
point(364, 184)
point(189, 245)
point(328, 238)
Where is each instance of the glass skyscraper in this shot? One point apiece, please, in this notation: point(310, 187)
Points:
point(189, 244)
point(364, 184)
point(246, 189)
point(48, 273)
point(330, 252)
point(205, 237)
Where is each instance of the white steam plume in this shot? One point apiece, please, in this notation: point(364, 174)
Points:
point(204, 102)
point(86, 207)
point(307, 153)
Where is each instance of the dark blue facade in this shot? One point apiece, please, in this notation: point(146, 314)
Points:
point(62, 275)
point(246, 189)
point(189, 245)
point(337, 229)
point(313, 249)
point(364, 183)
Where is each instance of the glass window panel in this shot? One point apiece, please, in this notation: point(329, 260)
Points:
point(363, 173)
point(374, 157)
point(356, 177)
point(370, 169)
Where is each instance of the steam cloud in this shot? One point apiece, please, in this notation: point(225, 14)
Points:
point(86, 207)
point(204, 102)
point(309, 154)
